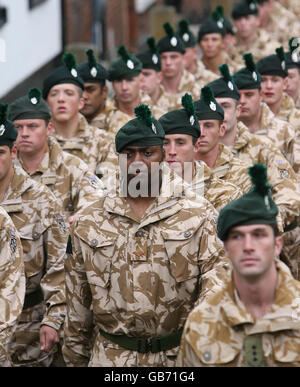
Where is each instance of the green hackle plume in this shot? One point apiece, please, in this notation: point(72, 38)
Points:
point(224, 70)
point(152, 45)
point(3, 113)
point(144, 114)
point(69, 60)
point(188, 104)
point(259, 179)
point(280, 53)
point(169, 29)
point(35, 93)
point(249, 62)
point(123, 53)
point(207, 94)
point(91, 59)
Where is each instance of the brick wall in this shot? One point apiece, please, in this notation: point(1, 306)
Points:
point(77, 21)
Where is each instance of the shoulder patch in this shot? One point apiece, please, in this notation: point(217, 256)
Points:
point(13, 244)
point(94, 181)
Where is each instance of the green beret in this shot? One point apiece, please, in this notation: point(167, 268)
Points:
point(255, 207)
point(207, 108)
point(8, 132)
point(67, 73)
point(248, 77)
point(225, 86)
point(31, 106)
point(91, 70)
point(228, 26)
point(214, 25)
point(150, 57)
point(244, 8)
point(273, 64)
point(125, 67)
point(183, 121)
point(172, 42)
point(293, 57)
point(186, 34)
point(142, 131)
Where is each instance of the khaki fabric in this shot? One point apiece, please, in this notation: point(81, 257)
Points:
point(217, 329)
point(13, 284)
point(141, 277)
point(43, 234)
point(68, 177)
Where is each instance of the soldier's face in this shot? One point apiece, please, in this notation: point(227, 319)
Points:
point(32, 135)
point(94, 96)
point(65, 102)
point(252, 249)
point(211, 132)
point(246, 26)
point(229, 106)
point(180, 154)
point(172, 64)
point(272, 87)
point(150, 81)
point(141, 166)
point(211, 45)
point(6, 158)
point(293, 83)
point(127, 90)
point(250, 101)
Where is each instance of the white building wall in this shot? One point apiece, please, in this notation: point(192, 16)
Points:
point(28, 41)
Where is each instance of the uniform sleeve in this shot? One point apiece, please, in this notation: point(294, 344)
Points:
point(78, 323)
point(53, 280)
point(12, 288)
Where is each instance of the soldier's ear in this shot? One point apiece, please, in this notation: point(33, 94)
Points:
point(49, 128)
point(14, 151)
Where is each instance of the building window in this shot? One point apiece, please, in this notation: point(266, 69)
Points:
point(35, 3)
point(3, 16)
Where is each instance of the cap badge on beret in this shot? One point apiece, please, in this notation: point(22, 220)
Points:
point(174, 41)
point(295, 57)
point(230, 85)
point(130, 64)
point(220, 24)
point(186, 37)
point(254, 76)
point(155, 59)
point(94, 72)
point(154, 128)
point(70, 62)
point(74, 73)
point(213, 106)
point(2, 130)
point(192, 120)
point(252, 6)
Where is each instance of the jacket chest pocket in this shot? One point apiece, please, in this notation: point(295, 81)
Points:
point(33, 248)
point(98, 261)
point(182, 250)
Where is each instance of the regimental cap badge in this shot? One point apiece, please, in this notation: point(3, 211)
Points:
point(281, 55)
point(34, 96)
point(126, 57)
point(186, 37)
point(153, 48)
point(3, 118)
point(154, 128)
point(254, 76)
point(171, 34)
point(218, 19)
point(70, 62)
point(213, 106)
point(224, 70)
point(230, 85)
point(92, 63)
point(174, 41)
point(155, 59)
point(192, 120)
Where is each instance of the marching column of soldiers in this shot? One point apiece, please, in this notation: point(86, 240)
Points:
point(158, 225)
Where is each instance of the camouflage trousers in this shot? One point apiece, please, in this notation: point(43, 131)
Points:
point(25, 346)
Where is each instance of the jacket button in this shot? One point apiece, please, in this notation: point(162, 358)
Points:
point(35, 235)
point(139, 234)
point(105, 344)
point(94, 243)
point(187, 234)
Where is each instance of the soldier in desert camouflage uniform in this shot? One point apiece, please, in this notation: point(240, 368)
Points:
point(67, 176)
point(63, 90)
point(258, 117)
point(176, 80)
point(211, 37)
point(182, 132)
point(292, 5)
point(249, 37)
point(208, 148)
point(278, 21)
point(43, 234)
point(12, 283)
point(232, 328)
point(253, 149)
point(96, 102)
point(140, 261)
point(124, 73)
point(192, 63)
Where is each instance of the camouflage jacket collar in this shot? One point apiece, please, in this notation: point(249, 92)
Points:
point(20, 183)
point(286, 108)
point(83, 132)
point(166, 204)
point(223, 161)
point(242, 138)
point(283, 315)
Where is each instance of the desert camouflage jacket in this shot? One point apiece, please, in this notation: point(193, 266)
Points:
point(12, 283)
point(91, 144)
point(43, 234)
point(68, 177)
point(220, 332)
point(141, 277)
